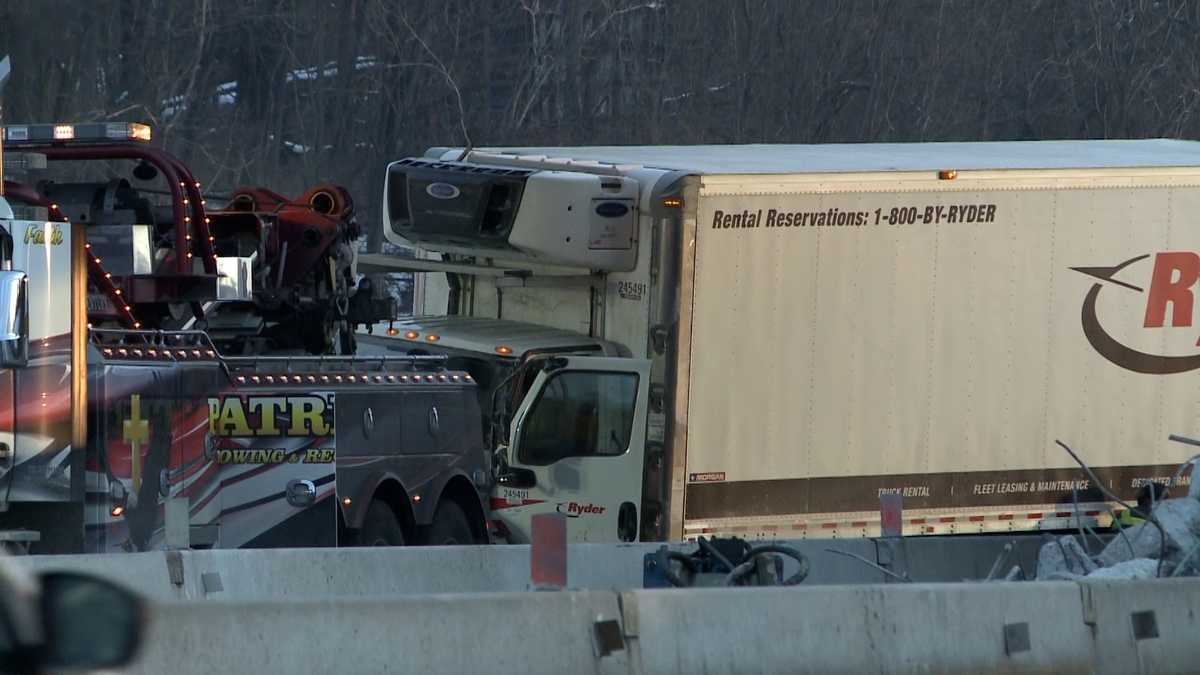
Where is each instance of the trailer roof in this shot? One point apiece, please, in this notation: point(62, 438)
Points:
point(871, 157)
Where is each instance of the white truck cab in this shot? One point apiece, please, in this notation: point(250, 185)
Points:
point(564, 413)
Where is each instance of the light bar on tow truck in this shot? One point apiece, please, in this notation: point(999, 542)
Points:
point(16, 135)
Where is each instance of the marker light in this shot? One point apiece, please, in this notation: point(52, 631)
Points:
point(117, 510)
point(411, 335)
point(947, 174)
point(139, 132)
point(503, 349)
point(432, 338)
point(672, 202)
point(64, 132)
point(346, 501)
point(393, 332)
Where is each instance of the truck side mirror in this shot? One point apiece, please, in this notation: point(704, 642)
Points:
point(517, 477)
point(14, 319)
point(89, 623)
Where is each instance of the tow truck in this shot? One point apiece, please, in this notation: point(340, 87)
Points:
point(177, 375)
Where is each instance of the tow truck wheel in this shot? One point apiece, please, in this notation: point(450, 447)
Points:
point(450, 526)
point(380, 527)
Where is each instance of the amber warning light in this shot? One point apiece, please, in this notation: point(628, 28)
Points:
point(76, 134)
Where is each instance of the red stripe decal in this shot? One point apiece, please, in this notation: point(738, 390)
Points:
point(976, 519)
point(947, 519)
point(1005, 516)
point(1034, 516)
point(498, 503)
point(917, 521)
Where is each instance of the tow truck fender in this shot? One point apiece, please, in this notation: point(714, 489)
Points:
point(420, 500)
point(362, 489)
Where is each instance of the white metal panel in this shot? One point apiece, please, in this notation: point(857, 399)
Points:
point(43, 251)
point(627, 298)
point(887, 349)
point(566, 308)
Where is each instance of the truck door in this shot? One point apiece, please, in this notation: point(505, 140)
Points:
point(577, 447)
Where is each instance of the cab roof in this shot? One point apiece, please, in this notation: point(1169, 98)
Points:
point(483, 335)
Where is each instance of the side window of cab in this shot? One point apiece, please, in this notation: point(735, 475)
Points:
point(580, 414)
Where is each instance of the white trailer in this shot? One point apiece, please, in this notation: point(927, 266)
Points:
point(824, 325)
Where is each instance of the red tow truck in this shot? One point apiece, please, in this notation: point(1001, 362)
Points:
point(178, 375)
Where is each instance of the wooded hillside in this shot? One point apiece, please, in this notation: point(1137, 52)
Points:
point(288, 92)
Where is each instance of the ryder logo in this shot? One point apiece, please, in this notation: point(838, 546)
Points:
point(575, 509)
point(1170, 302)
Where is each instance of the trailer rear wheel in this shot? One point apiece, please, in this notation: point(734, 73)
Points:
point(450, 526)
point(380, 527)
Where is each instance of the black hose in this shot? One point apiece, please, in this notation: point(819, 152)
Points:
point(743, 570)
point(665, 556)
point(712, 550)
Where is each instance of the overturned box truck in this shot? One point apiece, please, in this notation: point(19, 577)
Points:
point(763, 340)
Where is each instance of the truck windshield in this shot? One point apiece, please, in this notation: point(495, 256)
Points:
point(580, 414)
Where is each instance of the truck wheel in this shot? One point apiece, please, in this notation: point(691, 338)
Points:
point(450, 526)
point(380, 527)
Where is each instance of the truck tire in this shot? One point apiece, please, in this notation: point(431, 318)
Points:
point(450, 526)
point(380, 527)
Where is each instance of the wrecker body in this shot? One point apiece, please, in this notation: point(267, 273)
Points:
point(175, 375)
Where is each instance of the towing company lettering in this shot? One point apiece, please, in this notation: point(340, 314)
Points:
point(1170, 302)
point(276, 456)
point(306, 415)
point(40, 235)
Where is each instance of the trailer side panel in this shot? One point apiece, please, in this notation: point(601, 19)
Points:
point(934, 338)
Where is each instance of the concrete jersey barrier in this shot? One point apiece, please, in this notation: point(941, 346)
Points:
point(299, 573)
point(1061, 627)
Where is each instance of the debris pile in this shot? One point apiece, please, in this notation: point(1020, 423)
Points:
point(1165, 545)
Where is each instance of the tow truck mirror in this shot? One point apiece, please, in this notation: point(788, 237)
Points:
point(88, 623)
point(517, 477)
point(14, 319)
